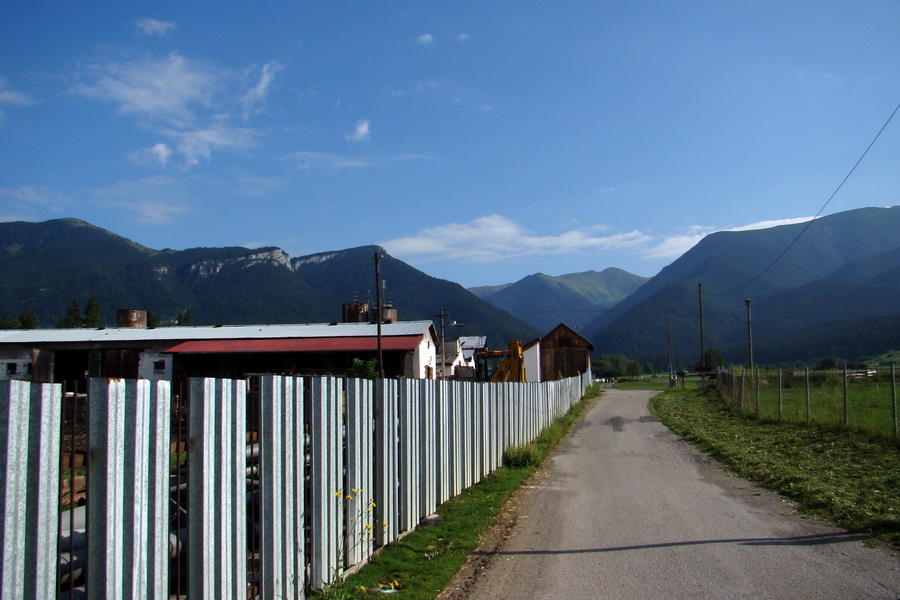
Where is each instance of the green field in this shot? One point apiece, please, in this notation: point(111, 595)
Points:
point(865, 402)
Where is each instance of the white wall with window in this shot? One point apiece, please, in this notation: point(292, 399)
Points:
point(155, 366)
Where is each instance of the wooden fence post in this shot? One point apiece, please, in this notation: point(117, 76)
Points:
point(807, 394)
point(757, 391)
point(780, 393)
point(894, 396)
point(846, 407)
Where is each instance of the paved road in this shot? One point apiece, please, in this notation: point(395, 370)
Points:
point(627, 510)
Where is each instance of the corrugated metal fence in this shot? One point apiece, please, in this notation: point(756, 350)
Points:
point(264, 487)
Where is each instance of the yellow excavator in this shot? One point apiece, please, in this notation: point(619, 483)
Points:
point(511, 368)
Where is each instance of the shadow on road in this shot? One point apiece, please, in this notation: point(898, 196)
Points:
point(806, 540)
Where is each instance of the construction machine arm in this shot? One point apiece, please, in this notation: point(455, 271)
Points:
point(512, 368)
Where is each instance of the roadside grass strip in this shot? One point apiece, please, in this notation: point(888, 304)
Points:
point(847, 477)
point(422, 563)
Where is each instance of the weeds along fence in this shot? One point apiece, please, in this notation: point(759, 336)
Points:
point(864, 400)
point(265, 487)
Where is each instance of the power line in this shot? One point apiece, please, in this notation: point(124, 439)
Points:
point(830, 198)
point(564, 310)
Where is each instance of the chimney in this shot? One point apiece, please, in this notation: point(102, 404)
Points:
point(129, 317)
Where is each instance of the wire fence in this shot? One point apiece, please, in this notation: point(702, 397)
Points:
point(859, 399)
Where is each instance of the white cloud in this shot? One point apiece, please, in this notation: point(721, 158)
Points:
point(444, 91)
point(13, 97)
point(326, 161)
point(10, 97)
point(464, 37)
point(190, 102)
point(253, 185)
point(772, 223)
point(153, 27)
point(157, 154)
point(26, 202)
point(496, 237)
point(169, 89)
point(425, 39)
point(361, 132)
point(199, 144)
point(256, 95)
point(151, 200)
point(674, 246)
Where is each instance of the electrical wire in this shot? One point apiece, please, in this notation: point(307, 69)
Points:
point(777, 258)
point(813, 220)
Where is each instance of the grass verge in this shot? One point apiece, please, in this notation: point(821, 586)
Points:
point(422, 563)
point(650, 383)
point(848, 477)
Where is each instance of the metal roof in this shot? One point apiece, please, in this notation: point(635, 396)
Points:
point(225, 332)
point(332, 344)
point(473, 341)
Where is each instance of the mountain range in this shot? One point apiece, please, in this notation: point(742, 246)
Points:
point(46, 266)
point(830, 287)
point(544, 301)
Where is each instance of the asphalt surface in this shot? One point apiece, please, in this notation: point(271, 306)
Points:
point(625, 509)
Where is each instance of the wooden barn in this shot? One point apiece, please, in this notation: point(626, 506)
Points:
point(564, 353)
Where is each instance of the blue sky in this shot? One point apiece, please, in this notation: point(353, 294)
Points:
point(478, 141)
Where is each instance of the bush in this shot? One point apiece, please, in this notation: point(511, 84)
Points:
point(522, 456)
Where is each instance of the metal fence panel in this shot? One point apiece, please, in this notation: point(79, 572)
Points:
point(444, 441)
point(360, 522)
point(428, 447)
point(409, 445)
point(105, 502)
point(216, 470)
point(281, 468)
point(386, 467)
point(409, 455)
point(326, 464)
point(30, 425)
point(457, 425)
point(159, 461)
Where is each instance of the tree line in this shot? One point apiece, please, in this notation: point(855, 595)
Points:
point(91, 317)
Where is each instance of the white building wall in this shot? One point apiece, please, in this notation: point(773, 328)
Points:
point(424, 356)
point(15, 368)
point(155, 366)
point(532, 358)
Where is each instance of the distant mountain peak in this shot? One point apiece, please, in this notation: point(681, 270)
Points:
point(544, 301)
point(322, 257)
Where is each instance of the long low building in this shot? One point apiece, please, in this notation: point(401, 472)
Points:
point(409, 349)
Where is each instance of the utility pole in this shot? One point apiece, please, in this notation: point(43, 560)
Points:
point(442, 314)
point(672, 377)
point(749, 334)
point(378, 312)
point(702, 341)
